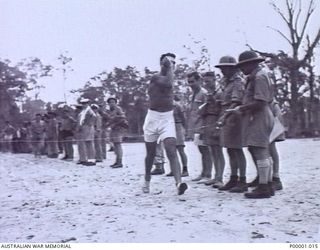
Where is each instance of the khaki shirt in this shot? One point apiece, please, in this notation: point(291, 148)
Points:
point(258, 124)
point(233, 90)
point(195, 122)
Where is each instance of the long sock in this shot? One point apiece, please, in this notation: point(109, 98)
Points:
point(241, 161)
point(263, 170)
point(233, 163)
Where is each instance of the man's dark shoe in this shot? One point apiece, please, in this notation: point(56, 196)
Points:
point(261, 192)
point(170, 174)
point(230, 184)
point(117, 166)
point(80, 162)
point(241, 187)
point(277, 184)
point(89, 163)
point(254, 183)
point(53, 156)
point(182, 187)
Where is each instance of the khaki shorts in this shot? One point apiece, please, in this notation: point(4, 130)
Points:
point(159, 125)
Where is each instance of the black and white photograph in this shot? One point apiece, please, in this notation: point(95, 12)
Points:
point(159, 121)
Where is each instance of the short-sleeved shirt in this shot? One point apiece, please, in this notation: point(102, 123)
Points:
point(233, 90)
point(258, 124)
point(117, 117)
point(195, 122)
point(210, 115)
point(231, 132)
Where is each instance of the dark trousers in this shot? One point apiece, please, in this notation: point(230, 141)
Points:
point(68, 147)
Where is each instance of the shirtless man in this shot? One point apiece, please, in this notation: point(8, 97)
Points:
point(159, 122)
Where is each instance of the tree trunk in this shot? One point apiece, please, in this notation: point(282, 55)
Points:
point(294, 125)
point(311, 102)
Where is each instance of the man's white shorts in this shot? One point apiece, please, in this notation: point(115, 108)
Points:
point(159, 125)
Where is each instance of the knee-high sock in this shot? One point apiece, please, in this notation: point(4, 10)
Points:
point(263, 170)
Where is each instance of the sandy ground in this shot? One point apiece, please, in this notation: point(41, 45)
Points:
point(49, 200)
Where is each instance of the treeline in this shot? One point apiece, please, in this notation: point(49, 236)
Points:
point(130, 86)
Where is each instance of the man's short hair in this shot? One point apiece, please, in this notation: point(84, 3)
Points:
point(167, 54)
point(194, 74)
point(209, 73)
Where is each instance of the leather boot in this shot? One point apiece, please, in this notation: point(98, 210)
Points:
point(277, 183)
point(240, 187)
point(230, 184)
point(262, 191)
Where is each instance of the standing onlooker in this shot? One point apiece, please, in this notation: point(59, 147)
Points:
point(37, 135)
point(52, 135)
point(16, 140)
point(25, 137)
point(60, 141)
point(277, 184)
point(79, 136)
point(258, 120)
point(195, 125)
point(87, 119)
point(104, 132)
point(210, 113)
point(231, 131)
point(118, 125)
point(8, 134)
point(97, 133)
point(67, 128)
